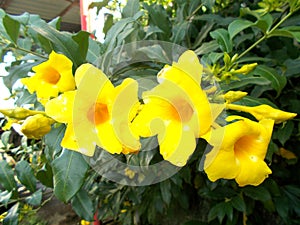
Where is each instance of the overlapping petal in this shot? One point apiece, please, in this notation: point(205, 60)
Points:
point(239, 150)
point(177, 110)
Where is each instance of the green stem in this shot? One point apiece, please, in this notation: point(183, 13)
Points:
point(194, 12)
point(23, 50)
point(266, 35)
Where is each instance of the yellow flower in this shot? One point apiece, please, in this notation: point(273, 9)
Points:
point(264, 112)
point(97, 113)
point(177, 110)
point(238, 152)
point(51, 77)
point(36, 126)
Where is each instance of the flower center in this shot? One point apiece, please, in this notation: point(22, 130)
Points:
point(244, 145)
point(52, 76)
point(181, 110)
point(98, 113)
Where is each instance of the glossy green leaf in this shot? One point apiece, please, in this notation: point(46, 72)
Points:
point(61, 42)
point(248, 80)
point(259, 193)
point(179, 32)
point(152, 30)
point(12, 216)
point(207, 47)
point(285, 132)
point(35, 199)
point(83, 205)
point(12, 28)
point(223, 39)
point(109, 21)
point(7, 176)
point(99, 5)
point(53, 140)
point(16, 72)
point(165, 190)
point(264, 22)
point(237, 26)
point(131, 8)
point(55, 23)
point(69, 171)
point(291, 32)
point(45, 176)
point(5, 197)
point(94, 52)
point(238, 203)
point(25, 175)
point(277, 81)
point(82, 39)
point(292, 67)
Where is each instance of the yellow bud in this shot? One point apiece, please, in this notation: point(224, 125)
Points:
point(19, 113)
point(84, 222)
point(233, 96)
point(36, 126)
point(129, 173)
point(264, 112)
point(245, 69)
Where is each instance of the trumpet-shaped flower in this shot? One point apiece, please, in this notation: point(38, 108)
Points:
point(177, 110)
point(51, 77)
point(264, 112)
point(97, 113)
point(238, 152)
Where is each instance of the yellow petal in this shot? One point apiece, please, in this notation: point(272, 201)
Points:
point(253, 171)
point(177, 143)
point(61, 107)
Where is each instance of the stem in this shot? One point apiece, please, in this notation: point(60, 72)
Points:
point(266, 35)
point(24, 50)
point(194, 12)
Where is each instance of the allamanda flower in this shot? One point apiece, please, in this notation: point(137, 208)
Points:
point(238, 152)
point(97, 113)
point(177, 110)
point(51, 77)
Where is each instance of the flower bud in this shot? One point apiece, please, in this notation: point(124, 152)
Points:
point(233, 96)
point(35, 127)
point(19, 113)
point(245, 69)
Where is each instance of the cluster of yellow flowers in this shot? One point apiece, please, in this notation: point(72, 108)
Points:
point(177, 110)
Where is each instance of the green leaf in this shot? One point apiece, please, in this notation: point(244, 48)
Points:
point(207, 47)
point(55, 23)
point(165, 190)
point(245, 81)
point(131, 8)
point(194, 222)
point(238, 203)
point(290, 32)
point(45, 175)
point(223, 39)
point(292, 67)
point(94, 52)
point(16, 72)
point(160, 18)
point(12, 28)
point(12, 216)
point(7, 176)
point(179, 31)
point(237, 26)
point(264, 22)
point(83, 205)
point(285, 132)
point(251, 101)
point(25, 175)
point(277, 81)
point(35, 199)
point(99, 5)
point(218, 211)
point(109, 21)
point(61, 42)
point(257, 193)
point(82, 39)
point(53, 140)
point(5, 197)
point(69, 171)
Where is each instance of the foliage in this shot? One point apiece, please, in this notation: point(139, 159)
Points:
point(226, 35)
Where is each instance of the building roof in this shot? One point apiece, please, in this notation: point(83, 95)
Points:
point(68, 10)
